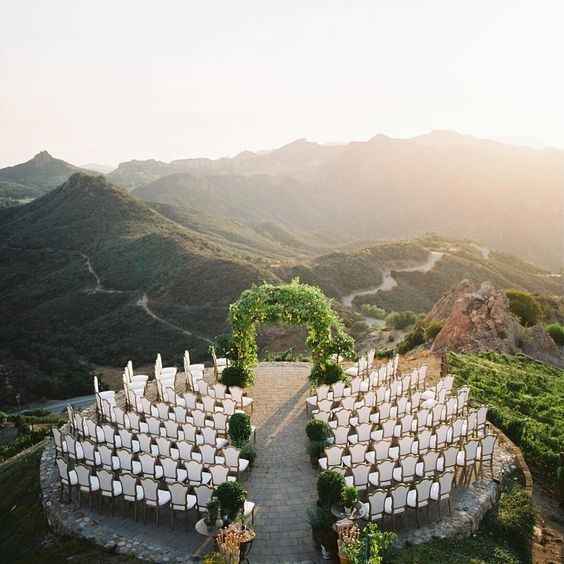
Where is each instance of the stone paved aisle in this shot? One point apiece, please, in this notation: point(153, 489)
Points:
point(282, 482)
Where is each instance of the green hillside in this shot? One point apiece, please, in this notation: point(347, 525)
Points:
point(60, 309)
point(526, 400)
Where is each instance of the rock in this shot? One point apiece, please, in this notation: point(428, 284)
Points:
point(477, 318)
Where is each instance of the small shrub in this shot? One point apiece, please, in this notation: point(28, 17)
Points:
point(330, 486)
point(556, 331)
point(239, 429)
point(400, 319)
point(516, 517)
point(249, 452)
point(524, 306)
point(317, 430)
point(412, 339)
point(350, 496)
point(231, 497)
point(326, 373)
point(212, 513)
point(320, 518)
point(315, 449)
point(373, 311)
point(237, 376)
point(432, 329)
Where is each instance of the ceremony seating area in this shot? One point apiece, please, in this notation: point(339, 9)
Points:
point(402, 443)
point(169, 453)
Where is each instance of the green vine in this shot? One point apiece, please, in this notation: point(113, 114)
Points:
point(291, 304)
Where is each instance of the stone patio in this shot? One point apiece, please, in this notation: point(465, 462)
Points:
point(282, 483)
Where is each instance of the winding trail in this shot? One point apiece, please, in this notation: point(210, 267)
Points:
point(389, 282)
point(143, 302)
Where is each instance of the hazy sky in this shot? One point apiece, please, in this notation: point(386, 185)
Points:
point(110, 81)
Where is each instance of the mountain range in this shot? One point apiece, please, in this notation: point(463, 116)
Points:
point(506, 197)
point(89, 273)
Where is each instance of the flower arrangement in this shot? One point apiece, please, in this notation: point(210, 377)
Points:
point(230, 539)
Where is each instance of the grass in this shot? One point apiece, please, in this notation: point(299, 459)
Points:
point(25, 536)
point(526, 399)
point(504, 537)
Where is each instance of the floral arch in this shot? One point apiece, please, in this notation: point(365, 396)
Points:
point(291, 304)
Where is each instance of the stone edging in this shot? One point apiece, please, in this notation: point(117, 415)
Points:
point(66, 519)
point(469, 505)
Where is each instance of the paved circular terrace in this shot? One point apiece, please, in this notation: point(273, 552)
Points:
point(282, 483)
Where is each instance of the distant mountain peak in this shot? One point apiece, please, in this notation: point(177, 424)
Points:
point(42, 157)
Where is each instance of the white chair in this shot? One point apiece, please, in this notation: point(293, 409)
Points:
point(185, 451)
point(190, 401)
point(108, 486)
point(442, 488)
point(67, 477)
point(419, 497)
point(408, 464)
point(385, 472)
point(333, 457)
point(196, 473)
point(398, 498)
point(429, 464)
point(171, 429)
point(86, 482)
point(74, 448)
point(181, 499)
point(375, 505)
point(486, 452)
point(60, 445)
point(149, 466)
point(219, 474)
point(127, 463)
point(233, 460)
point(153, 497)
point(360, 475)
point(406, 445)
point(132, 492)
point(357, 455)
point(172, 472)
point(91, 455)
point(163, 446)
point(341, 436)
point(424, 440)
point(467, 459)
point(209, 455)
point(110, 436)
point(203, 497)
point(146, 444)
point(108, 460)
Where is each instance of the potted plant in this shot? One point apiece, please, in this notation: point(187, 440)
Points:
point(212, 514)
point(231, 497)
point(318, 433)
point(236, 375)
point(321, 522)
point(326, 373)
point(350, 498)
point(240, 429)
point(330, 486)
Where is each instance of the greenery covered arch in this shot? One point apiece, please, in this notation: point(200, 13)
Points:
point(291, 304)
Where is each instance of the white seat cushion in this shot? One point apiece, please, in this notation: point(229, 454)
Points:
point(435, 491)
point(182, 474)
point(136, 467)
point(412, 498)
point(388, 505)
point(323, 463)
point(396, 474)
point(163, 497)
point(248, 508)
point(158, 471)
point(243, 464)
point(191, 501)
point(72, 477)
point(94, 483)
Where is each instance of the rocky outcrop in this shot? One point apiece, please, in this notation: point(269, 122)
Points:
point(477, 318)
